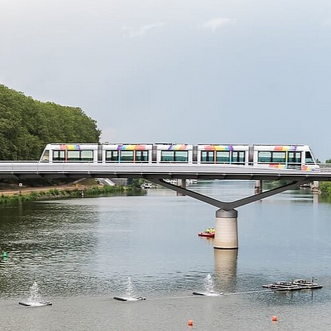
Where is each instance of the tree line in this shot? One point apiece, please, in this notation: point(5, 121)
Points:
point(27, 125)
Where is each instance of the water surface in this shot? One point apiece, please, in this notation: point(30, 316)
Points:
point(82, 251)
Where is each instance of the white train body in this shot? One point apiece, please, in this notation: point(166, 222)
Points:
point(223, 154)
point(264, 156)
point(284, 157)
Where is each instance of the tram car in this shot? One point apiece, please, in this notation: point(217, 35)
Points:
point(298, 157)
point(263, 156)
point(223, 154)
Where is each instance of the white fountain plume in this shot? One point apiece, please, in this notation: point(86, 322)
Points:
point(209, 288)
point(129, 289)
point(34, 293)
point(129, 293)
point(34, 299)
point(209, 284)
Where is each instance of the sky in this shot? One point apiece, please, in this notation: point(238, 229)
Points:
point(180, 71)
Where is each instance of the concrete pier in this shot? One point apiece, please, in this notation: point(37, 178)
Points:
point(226, 268)
point(226, 229)
point(258, 186)
point(182, 184)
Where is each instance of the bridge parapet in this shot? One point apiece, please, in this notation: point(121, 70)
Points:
point(325, 167)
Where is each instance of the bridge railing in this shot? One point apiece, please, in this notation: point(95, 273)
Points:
point(325, 167)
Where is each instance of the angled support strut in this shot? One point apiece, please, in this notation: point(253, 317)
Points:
point(226, 231)
point(227, 205)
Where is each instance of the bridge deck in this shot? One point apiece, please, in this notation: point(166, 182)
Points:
point(180, 171)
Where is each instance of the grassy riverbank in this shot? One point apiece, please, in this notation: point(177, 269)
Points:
point(59, 192)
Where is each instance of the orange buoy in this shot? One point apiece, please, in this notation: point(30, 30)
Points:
point(274, 318)
point(190, 323)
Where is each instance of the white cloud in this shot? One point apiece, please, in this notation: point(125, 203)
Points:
point(217, 23)
point(142, 31)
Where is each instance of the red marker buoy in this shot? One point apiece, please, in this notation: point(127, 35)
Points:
point(274, 318)
point(190, 323)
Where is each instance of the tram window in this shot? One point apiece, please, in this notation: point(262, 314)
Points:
point(86, 156)
point(126, 156)
point(309, 158)
point(73, 156)
point(278, 157)
point(223, 157)
point(141, 156)
point(45, 156)
point(294, 157)
point(111, 156)
point(174, 156)
point(264, 157)
point(180, 156)
point(238, 157)
point(58, 156)
point(167, 156)
point(207, 156)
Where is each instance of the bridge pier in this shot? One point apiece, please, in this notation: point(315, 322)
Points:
point(182, 184)
point(258, 186)
point(225, 261)
point(226, 229)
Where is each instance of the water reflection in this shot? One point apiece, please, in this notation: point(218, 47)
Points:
point(225, 261)
point(87, 246)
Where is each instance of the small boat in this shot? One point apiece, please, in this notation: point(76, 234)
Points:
point(294, 285)
point(209, 233)
point(206, 234)
point(278, 284)
point(147, 185)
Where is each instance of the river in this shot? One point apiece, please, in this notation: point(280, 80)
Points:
point(82, 252)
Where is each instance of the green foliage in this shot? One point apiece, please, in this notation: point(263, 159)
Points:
point(328, 161)
point(27, 125)
point(137, 182)
point(57, 193)
point(325, 188)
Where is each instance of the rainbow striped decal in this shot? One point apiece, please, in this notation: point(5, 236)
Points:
point(306, 168)
point(285, 148)
point(218, 148)
point(74, 147)
point(131, 147)
point(177, 147)
point(277, 166)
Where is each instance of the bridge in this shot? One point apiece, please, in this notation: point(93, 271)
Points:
point(226, 236)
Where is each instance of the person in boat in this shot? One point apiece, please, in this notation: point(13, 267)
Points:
point(210, 230)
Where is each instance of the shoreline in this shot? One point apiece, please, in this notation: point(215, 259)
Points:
point(28, 190)
point(12, 197)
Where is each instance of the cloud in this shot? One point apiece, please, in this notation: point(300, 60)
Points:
point(217, 23)
point(142, 31)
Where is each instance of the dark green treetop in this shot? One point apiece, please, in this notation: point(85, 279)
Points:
point(27, 125)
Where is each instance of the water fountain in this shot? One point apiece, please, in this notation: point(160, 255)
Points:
point(129, 293)
point(34, 299)
point(209, 288)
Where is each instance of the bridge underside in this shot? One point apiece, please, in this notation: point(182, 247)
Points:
point(228, 205)
point(226, 236)
point(226, 230)
point(226, 216)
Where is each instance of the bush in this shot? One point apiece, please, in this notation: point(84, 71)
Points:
point(325, 188)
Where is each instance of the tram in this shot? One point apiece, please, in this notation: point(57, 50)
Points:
point(265, 156)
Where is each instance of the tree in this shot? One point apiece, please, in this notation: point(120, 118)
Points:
point(27, 125)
